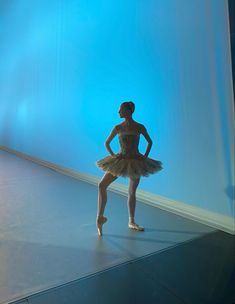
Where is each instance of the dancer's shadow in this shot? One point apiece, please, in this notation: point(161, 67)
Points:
point(197, 233)
point(137, 238)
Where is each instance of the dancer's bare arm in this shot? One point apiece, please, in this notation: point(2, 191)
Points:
point(109, 139)
point(147, 137)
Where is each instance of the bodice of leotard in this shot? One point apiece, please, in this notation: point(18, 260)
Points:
point(129, 142)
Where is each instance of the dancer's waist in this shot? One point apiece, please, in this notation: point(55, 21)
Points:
point(130, 154)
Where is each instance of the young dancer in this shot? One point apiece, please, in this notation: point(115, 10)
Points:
point(129, 162)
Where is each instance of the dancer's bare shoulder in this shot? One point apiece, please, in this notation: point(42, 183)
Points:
point(138, 127)
point(119, 127)
point(134, 126)
point(141, 128)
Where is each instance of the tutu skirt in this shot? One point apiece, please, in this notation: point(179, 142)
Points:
point(129, 167)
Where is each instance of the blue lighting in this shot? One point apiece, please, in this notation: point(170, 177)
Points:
point(66, 65)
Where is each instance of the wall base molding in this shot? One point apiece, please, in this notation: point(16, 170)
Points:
point(204, 216)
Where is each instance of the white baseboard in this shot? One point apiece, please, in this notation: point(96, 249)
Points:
point(212, 219)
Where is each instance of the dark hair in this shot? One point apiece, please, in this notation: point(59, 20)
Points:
point(130, 105)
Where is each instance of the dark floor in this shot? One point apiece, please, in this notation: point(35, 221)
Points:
point(199, 271)
point(50, 253)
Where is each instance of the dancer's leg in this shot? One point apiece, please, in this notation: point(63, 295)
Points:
point(107, 179)
point(133, 184)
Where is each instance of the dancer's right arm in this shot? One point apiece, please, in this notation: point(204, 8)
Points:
point(109, 139)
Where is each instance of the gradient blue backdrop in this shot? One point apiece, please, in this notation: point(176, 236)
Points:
point(66, 65)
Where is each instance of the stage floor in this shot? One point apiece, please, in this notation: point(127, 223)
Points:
point(48, 234)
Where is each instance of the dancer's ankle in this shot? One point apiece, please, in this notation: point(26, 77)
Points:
point(101, 217)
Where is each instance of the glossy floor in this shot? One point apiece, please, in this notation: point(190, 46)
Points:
point(50, 252)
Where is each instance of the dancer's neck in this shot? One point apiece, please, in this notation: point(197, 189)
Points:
point(128, 121)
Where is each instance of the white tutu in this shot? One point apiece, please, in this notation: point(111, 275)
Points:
point(130, 163)
point(129, 167)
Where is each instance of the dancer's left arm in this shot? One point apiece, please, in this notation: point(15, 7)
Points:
point(149, 140)
point(109, 139)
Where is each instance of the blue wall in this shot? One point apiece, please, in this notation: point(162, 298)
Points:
point(66, 65)
point(231, 8)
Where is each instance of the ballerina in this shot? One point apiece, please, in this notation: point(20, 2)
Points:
point(129, 162)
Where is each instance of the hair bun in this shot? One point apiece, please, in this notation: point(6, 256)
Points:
point(132, 106)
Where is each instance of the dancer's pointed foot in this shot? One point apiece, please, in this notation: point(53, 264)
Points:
point(136, 227)
point(99, 222)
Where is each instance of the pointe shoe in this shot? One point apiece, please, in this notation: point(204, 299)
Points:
point(99, 222)
point(136, 227)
